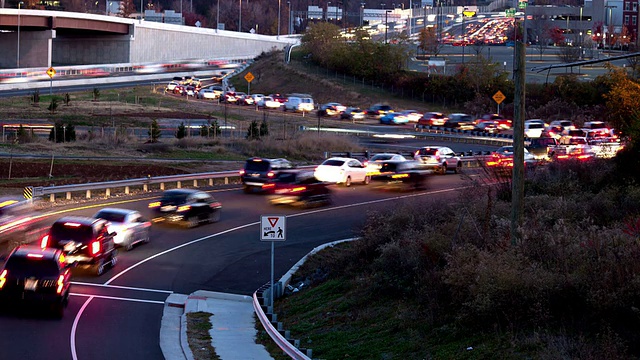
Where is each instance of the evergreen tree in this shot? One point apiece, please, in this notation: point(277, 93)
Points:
point(22, 135)
point(70, 133)
point(57, 133)
point(264, 128)
point(253, 133)
point(182, 131)
point(214, 129)
point(154, 131)
point(204, 131)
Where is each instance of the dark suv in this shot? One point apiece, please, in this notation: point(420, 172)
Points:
point(301, 188)
point(258, 173)
point(189, 207)
point(85, 241)
point(35, 275)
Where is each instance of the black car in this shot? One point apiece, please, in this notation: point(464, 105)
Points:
point(188, 207)
point(298, 188)
point(16, 223)
point(401, 174)
point(378, 110)
point(85, 241)
point(259, 172)
point(33, 275)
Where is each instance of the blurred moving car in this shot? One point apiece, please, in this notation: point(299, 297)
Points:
point(258, 172)
point(459, 121)
point(402, 174)
point(17, 224)
point(188, 207)
point(394, 118)
point(432, 119)
point(502, 158)
point(172, 85)
point(502, 122)
point(375, 162)
point(36, 276)
point(298, 188)
point(542, 148)
point(353, 114)
point(268, 102)
point(85, 241)
point(412, 115)
point(533, 128)
point(257, 98)
point(128, 225)
point(341, 170)
point(229, 97)
point(378, 110)
point(303, 103)
point(244, 99)
point(491, 127)
point(279, 98)
point(331, 109)
point(206, 94)
point(440, 159)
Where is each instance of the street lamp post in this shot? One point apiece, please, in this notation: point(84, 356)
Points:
point(279, 6)
point(18, 50)
point(362, 13)
point(239, 15)
point(462, 36)
point(604, 28)
point(386, 24)
point(326, 18)
point(218, 16)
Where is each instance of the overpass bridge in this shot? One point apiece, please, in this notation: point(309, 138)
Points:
point(42, 38)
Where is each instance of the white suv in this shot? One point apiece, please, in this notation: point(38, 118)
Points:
point(439, 159)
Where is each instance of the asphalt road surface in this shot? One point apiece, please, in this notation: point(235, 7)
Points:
point(118, 315)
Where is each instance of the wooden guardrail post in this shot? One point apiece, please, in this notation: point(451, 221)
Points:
point(210, 182)
point(88, 194)
point(68, 195)
point(107, 192)
point(162, 186)
point(195, 183)
point(126, 190)
point(179, 184)
point(52, 197)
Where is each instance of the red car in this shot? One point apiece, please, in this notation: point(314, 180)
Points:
point(433, 119)
point(279, 98)
point(502, 122)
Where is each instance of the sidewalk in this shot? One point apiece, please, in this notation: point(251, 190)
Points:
point(233, 330)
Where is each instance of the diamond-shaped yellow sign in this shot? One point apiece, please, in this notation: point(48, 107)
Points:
point(51, 72)
point(499, 97)
point(249, 77)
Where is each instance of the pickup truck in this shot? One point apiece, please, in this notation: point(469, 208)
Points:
point(573, 148)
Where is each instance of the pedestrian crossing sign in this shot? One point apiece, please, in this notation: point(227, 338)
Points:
point(273, 228)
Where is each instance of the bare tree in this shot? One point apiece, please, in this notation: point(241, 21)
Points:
point(478, 46)
point(539, 31)
point(568, 54)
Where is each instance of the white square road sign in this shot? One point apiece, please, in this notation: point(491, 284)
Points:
point(272, 228)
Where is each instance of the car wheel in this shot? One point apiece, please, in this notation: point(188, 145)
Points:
point(192, 222)
point(147, 237)
point(114, 260)
point(214, 216)
point(458, 168)
point(443, 168)
point(98, 268)
point(347, 182)
point(128, 243)
point(367, 180)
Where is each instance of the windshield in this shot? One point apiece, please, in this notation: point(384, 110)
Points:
point(111, 216)
point(382, 157)
point(174, 198)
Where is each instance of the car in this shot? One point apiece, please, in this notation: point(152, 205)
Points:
point(187, 207)
point(400, 174)
point(257, 98)
point(85, 241)
point(491, 127)
point(534, 128)
point(502, 158)
point(36, 276)
point(394, 118)
point(542, 148)
point(378, 110)
point(190, 90)
point(459, 121)
point(440, 159)
point(228, 97)
point(565, 124)
point(331, 109)
point(278, 97)
point(179, 89)
point(217, 90)
point(342, 170)
point(353, 114)
point(412, 115)
point(17, 223)
point(129, 225)
point(302, 103)
point(298, 188)
point(433, 119)
point(502, 122)
point(375, 162)
point(244, 99)
point(172, 85)
point(258, 172)
point(206, 94)
point(268, 102)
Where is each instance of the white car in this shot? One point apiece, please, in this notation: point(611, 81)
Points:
point(269, 103)
point(375, 162)
point(207, 94)
point(412, 115)
point(172, 85)
point(129, 225)
point(439, 159)
point(257, 98)
point(342, 171)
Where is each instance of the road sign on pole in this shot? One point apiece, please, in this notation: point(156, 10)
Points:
point(273, 228)
point(249, 77)
point(499, 97)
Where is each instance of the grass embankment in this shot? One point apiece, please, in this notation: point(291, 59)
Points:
point(199, 338)
point(442, 280)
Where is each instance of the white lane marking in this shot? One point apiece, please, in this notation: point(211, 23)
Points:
point(74, 355)
point(122, 287)
point(79, 314)
point(118, 298)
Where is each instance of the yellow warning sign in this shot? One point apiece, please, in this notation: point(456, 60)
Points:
point(51, 72)
point(249, 77)
point(499, 97)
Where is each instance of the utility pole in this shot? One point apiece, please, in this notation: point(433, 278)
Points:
point(517, 189)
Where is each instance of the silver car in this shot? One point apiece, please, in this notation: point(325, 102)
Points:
point(129, 225)
point(440, 159)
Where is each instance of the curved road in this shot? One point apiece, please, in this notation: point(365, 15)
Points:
point(118, 315)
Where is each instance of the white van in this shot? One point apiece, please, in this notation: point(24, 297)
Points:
point(533, 128)
point(296, 103)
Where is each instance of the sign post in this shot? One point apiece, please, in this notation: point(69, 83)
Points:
point(499, 98)
point(273, 228)
point(249, 77)
point(51, 72)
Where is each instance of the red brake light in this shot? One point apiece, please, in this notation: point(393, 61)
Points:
point(3, 278)
point(242, 172)
point(268, 186)
point(271, 174)
point(60, 283)
point(44, 241)
point(95, 247)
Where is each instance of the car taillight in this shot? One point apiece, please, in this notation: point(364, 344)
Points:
point(44, 241)
point(3, 278)
point(154, 204)
point(268, 186)
point(60, 283)
point(184, 208)
point(95, 247)
point(215, 205)
point(242, 172)
point(271, 174)
point(300, 188)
